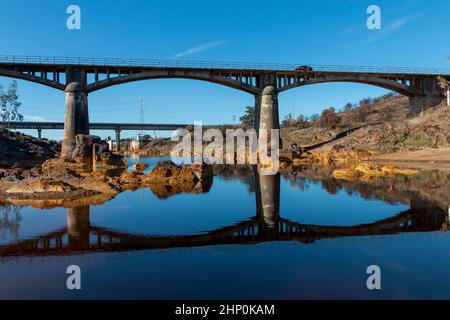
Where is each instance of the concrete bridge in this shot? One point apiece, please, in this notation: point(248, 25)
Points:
point(79, 77)
point(79, 236)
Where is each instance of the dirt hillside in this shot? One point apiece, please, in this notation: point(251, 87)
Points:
point(386, 129)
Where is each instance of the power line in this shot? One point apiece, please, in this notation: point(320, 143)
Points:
point(141, 113)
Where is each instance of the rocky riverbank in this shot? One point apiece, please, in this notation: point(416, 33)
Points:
point(91, 170)
point(62, 179)
point(20, 152)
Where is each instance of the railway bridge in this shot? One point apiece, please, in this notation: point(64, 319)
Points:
point(79, 77)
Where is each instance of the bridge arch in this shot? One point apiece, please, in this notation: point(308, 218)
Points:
point(401, 88)
point(156, 74)
point(31, 78)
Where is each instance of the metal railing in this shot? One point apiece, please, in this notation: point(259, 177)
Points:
point(11, 59)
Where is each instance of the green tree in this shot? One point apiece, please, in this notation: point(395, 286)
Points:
point(9, 103)
point(348, 106)
point(249, 117)
point(314, 117)
point(329, 118)
point(288, 121)
point(302, 121)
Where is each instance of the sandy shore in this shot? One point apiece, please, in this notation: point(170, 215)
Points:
point(430, 158)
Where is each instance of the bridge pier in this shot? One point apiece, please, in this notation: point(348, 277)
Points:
point(39, 133)
point(76, 120)
point(118, 139)
point(419, 104)
point(431, 95)
point(266, 109)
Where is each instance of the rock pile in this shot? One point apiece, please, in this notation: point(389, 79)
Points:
point(167, 171)
point(91, 149)
point(369, 171)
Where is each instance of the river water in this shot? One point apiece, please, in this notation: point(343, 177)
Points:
point(297, 235)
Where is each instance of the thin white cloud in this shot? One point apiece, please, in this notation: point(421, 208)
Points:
point(200, 48)
point(392, 27)
point(33, 118)
point(351, 30)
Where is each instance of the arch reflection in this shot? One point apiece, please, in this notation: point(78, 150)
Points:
point(80, 236)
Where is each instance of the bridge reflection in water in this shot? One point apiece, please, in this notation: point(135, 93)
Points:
point(80, 236)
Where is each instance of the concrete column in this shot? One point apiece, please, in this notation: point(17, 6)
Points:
point(76, 120)
point(118, 139)
point(78, 223)
point(39, 133)
point(267, 190)
point(266, 109)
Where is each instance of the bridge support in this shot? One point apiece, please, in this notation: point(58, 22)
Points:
point(76, 120)
point(118, 139)
point(39, 133)
point(266, 109)
point(419, 104)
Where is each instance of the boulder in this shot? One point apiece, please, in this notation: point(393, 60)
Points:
point(41, 185)
point(111, 160)
point(167, 171)
point(164, 170)
point(131, 177)
point(140, 166)
point(84, 145)
point(91, 149)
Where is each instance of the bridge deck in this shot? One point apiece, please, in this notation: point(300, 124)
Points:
point(63, 62)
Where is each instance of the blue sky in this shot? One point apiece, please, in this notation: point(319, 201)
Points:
point(414, 33)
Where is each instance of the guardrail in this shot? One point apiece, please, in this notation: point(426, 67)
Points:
point(12, 59)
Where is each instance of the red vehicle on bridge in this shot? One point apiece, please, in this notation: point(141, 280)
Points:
point(304, 69)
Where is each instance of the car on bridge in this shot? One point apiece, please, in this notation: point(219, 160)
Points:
point(304, 69)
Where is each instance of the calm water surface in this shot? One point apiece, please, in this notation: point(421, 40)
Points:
point(298, 235)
